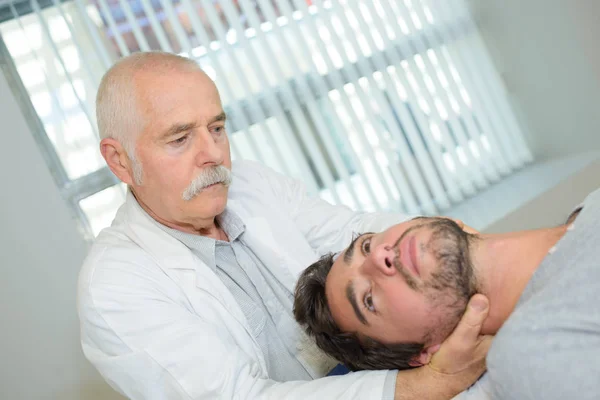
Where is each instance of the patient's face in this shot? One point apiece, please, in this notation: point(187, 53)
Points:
point(410, 283)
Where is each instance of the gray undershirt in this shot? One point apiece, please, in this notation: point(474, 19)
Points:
point(549, 348)
point(264, 301)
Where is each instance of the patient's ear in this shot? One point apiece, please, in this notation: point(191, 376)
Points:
point(424, 356)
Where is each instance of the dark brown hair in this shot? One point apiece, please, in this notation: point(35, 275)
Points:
point(312, 312)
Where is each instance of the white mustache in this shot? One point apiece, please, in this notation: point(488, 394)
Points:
point(207, 177)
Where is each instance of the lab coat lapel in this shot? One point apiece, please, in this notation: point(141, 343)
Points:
point(259, 238)
point(170, 253)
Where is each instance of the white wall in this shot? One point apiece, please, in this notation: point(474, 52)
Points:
point(548, 55)
point(40, 255)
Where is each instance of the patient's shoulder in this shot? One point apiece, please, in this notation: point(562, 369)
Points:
point(590, 205)
point(548, 349)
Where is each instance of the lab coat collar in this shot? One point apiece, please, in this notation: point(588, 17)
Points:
point(205, 247)
point(141, 228)
point(172, 254)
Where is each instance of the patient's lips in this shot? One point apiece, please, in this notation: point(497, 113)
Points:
point(408, 255)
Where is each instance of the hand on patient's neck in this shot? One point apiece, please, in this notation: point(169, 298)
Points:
point(504, 264)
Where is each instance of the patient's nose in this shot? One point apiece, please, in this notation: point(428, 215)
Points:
point(381, 259)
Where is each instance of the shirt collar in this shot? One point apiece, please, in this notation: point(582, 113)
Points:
point(202, 246)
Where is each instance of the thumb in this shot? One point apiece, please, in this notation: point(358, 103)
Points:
point(465, 346)
point(468, 329)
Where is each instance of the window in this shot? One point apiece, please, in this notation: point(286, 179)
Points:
point(377, 104)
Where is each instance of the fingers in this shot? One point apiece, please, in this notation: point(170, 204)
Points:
point(464, 227)
point(458, 222)
point(466, 338)
point(470, 230)
point(484, 345)
point(462, 355)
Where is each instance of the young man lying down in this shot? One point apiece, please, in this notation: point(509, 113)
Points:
point(391, 298)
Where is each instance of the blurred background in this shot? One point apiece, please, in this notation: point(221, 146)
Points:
point(481, 110)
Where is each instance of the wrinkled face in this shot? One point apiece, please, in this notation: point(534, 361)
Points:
point(410, 283)
point(184, 137)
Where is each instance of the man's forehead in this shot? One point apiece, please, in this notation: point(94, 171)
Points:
point(166, 106)
point(335, 285)
point(162, 87)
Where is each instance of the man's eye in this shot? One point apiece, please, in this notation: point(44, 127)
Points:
point(218, 130)
point(366, 246)
point(180, 140)
point(368, 300)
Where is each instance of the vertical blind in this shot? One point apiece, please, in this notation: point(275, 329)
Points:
point(376, 104)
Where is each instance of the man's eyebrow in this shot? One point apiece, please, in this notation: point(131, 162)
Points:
point(220, 117)
point(178, 128)
point(351, 296)
point(350, 251)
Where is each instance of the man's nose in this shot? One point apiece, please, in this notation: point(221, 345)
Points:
point(209, 152)
point(381, 259)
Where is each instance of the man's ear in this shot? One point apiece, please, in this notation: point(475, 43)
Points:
point(424, 356)
point(117, 159)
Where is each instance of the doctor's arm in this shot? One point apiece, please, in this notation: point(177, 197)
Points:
point(148, 343)
point(327, 227)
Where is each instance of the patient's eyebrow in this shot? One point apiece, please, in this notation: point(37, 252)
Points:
point(351, 295)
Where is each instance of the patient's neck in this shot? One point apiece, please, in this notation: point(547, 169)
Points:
point(504, 264)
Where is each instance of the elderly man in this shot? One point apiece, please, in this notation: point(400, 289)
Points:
point(188, 295)
point(391, 298)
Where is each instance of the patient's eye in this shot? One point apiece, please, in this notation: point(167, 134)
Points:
point(365, 246)
point(368, 300)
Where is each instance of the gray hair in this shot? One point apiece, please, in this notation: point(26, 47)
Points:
point(117, 103)
point(207, 177)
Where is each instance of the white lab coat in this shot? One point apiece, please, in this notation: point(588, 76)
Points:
point(159, 324)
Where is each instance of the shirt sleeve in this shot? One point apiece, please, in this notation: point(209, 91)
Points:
point(389, 387)
point(149, 343)
point(327, 227)
point(480, 390)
